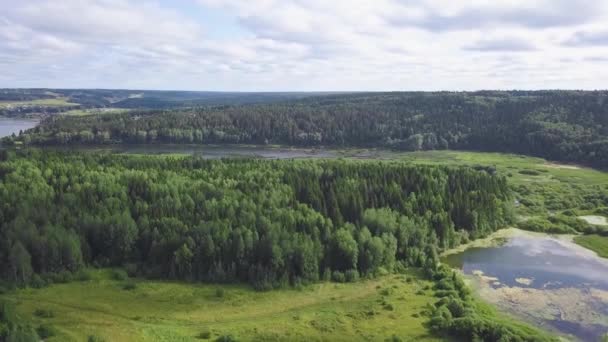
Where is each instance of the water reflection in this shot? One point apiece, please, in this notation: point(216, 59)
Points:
point(9, 126)
point(552, 281)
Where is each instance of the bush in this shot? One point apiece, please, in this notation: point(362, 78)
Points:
point(131, 269)
point(529, 172)
point(94, 338)
point(45, 331)
point(351, 276)
point(83, 275)
point(37, 282)
point(220, 293)
point(226, 338)
point(119, 274)
point(129, 286)
point(204, 335)
point(338, 277)
point(44, 313)
point(62, 277)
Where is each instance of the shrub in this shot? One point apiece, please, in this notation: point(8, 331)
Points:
point(44, 313)
point(94, 338)
point(129, 286)
point(119, 274)
point(59, 278)
point(45, 331)
point(226, 338)
point(204, 335)
point(529, 172)
point(351, 276)
point(338, 277)
point(131, 269)
point(83, 275)
point(37, 282)
point(220, 293)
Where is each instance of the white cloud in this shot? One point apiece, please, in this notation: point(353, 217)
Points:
point(304, 44)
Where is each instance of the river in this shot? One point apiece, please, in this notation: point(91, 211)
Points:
point(9, 126)
point(544, 279)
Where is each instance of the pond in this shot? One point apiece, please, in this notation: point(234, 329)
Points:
point(9, 126)
point(547, 280)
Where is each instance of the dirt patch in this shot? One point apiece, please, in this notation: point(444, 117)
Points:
point(595, 219)
point(524, 281)
point(561, 166)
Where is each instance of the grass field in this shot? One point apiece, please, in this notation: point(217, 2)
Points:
point(94, 111)
point(596, 243)
point(56, 102)
point(166, 311)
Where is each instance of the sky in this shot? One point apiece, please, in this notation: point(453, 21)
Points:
point(304, 45)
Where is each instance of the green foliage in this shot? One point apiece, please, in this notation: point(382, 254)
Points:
point(45, 331)
point(457, 315)
point(226, 338)
point(556, 224)
point(95, 338)
point(44, 313)
point(119, 274)
point(529, 172)
point(13, 328)
point(129, 286)
point(268, 223)
point(204, 335)
point(559, 125)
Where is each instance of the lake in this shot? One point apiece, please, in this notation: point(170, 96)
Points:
point(9, 126)
point(547, 280)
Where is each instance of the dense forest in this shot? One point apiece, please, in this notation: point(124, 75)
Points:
point(569, 126)
point(269, 223)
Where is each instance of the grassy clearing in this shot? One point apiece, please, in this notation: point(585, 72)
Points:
point(56, 102)
point(596, 243)
point(94, 111)
point(167, 311)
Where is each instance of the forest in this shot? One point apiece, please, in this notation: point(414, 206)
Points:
point(569, 126)
point(268, 223)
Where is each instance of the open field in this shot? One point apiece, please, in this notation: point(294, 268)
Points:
point(168, 311)
point(94, 111)
point(56, 102)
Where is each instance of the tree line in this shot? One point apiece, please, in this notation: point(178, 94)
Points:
point(268, 223)
point(569, 126)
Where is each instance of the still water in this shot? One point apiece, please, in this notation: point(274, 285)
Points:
point(9, 126)
point(547, 280)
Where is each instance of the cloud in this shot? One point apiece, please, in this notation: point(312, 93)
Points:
point(302, 44)
point(501, 45)
point(530, 14)
point(588, 38)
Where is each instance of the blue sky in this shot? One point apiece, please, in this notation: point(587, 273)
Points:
point(299, 45)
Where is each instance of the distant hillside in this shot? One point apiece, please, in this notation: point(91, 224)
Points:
point(569, 126)
point(145, 99)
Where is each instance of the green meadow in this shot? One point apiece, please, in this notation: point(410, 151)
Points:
point(596, 243)
point(54, 102)
point(170, 311)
